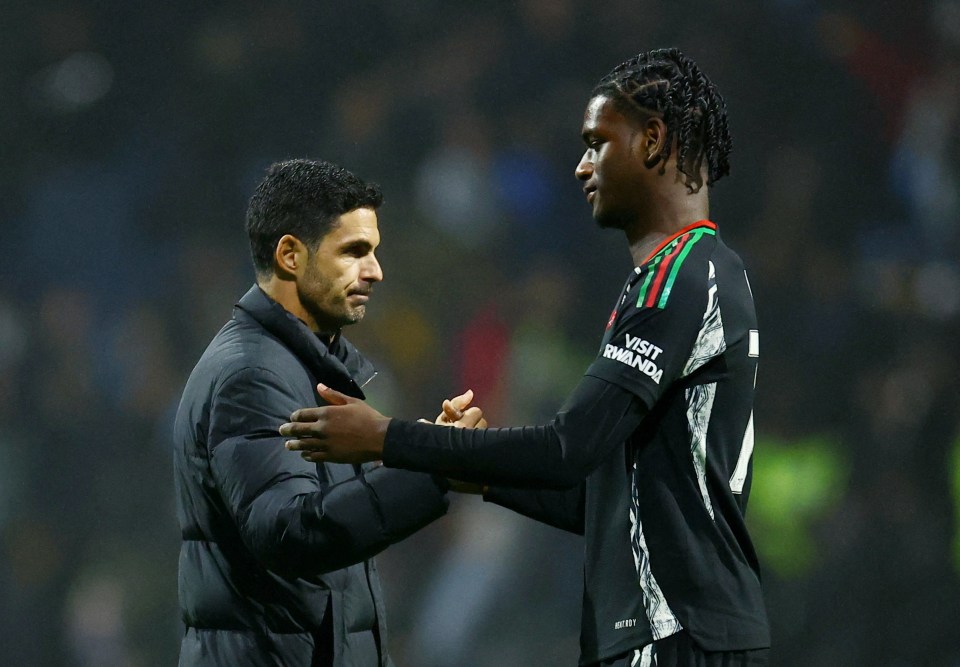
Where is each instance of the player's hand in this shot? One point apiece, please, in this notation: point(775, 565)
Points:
point(346, 431)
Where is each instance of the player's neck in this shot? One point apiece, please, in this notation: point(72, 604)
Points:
point(664, 218)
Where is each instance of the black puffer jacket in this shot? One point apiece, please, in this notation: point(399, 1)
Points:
point(276, 563)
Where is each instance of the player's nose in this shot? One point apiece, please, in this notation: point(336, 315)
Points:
point(584, 168)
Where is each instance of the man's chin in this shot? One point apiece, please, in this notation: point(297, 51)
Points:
point(355, 315)
point(608, 222)
point(334, 322)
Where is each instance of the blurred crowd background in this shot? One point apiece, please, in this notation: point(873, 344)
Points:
point(132, 135)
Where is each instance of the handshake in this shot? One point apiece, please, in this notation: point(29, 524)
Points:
point(457, 412)
point(347, 430)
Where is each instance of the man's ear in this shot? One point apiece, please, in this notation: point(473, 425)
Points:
point(654, 141)
point(290, 257)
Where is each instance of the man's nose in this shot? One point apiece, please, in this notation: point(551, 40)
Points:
point(371, 271)
point(584, 168)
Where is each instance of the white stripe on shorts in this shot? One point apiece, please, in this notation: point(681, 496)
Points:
point(647, 657)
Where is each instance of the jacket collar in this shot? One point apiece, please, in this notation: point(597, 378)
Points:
point(339, 366)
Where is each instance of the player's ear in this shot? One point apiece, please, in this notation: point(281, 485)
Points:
point(654, 141)
point(290, 257)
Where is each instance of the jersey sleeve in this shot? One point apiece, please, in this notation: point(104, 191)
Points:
point(596, 417)
point(562, 509)
point(652, 333)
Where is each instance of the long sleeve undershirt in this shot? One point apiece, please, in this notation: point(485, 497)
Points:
point(596, 417)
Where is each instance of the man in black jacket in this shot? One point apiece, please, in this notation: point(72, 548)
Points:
point(276, 564)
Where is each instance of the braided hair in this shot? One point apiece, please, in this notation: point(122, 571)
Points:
point(666, 83)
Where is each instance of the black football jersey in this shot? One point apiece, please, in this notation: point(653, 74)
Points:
point(683, 338)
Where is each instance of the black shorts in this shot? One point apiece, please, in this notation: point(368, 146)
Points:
point(679, 650)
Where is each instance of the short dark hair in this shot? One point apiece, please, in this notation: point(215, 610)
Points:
point(303, 198)
point(669, 84)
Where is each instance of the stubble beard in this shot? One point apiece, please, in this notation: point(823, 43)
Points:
point(330, 314)
point(333, 319)
point(355, 315)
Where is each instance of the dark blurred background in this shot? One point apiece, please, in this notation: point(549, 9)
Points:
point(132, 135)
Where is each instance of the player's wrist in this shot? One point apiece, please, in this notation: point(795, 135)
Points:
point(379, 437)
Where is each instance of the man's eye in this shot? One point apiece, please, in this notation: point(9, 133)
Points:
point(356, 251)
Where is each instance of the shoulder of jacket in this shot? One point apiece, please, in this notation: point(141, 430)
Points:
point(252, 351)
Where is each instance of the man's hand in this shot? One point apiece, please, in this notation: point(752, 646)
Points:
point(346, 431)
point(457, 413)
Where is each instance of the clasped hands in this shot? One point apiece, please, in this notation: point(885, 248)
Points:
point(350, 431)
